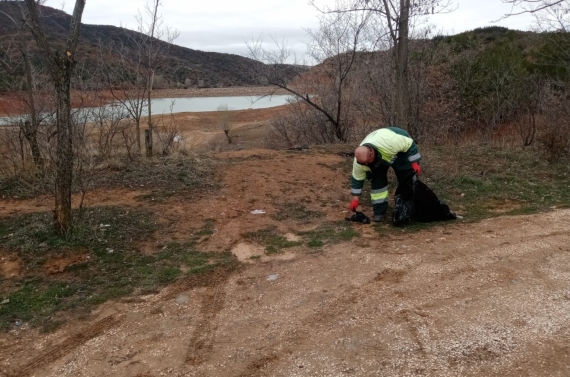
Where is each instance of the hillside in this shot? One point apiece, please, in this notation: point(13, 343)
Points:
point(185, 67)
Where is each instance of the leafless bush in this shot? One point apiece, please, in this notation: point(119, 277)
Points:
point(303, 126)
point(554, 136)
point(19, 175)
point(216, 144)
point(12, 152)
point(168, 134)
point(130, 140)
point(108, 123)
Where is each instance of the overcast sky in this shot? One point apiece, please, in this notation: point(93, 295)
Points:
point(225, 25)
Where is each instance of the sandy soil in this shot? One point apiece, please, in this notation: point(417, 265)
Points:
point(461, 299)
point(200, 131)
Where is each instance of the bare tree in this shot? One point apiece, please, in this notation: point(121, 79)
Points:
point(29, 127)
point(225, 121)
point(395, 20)
point(325, 89)
point(60, 66)
point(130, 68)
point(157, 41)
point(125, 73)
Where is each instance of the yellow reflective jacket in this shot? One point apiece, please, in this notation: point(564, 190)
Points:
point(388, 143)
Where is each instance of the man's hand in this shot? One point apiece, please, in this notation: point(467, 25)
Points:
point(354, 204)
point(416, 168)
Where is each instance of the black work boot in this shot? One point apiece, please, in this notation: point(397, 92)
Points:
point(378, 218)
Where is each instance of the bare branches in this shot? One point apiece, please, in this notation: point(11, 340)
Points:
point(549, 14)
point(531, 6)
point(335, 46)
point(388, 8)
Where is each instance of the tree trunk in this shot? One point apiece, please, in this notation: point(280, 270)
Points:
point(402, 96)
point(31, 128)
point(148, 138)
point(138, 132)
point(60, 69)
point(64, 155)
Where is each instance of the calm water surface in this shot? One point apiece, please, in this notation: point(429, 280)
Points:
point(199, 104)
point(195, 104)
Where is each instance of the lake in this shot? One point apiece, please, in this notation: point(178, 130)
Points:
point(197, 104)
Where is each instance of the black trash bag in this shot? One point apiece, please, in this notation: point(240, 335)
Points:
point(429, 207)
point(414, 199)
point(404, 202)
point(358, 217)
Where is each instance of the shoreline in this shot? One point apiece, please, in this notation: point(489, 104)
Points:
point(10, 104)
point(232, 91)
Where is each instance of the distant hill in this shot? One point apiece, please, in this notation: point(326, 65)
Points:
point(185, 67)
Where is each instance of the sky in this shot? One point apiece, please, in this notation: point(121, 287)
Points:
point(226, 25)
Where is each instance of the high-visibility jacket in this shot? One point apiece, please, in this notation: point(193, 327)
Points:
point(393, 147)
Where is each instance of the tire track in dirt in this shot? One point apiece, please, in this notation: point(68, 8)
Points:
point(414, 320)
point(202, 342)
point(209, 279)
point(323, 317)
point(212, 303)
point(67, 346)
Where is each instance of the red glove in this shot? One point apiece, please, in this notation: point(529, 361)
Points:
point(354, 204)
point(416, 168)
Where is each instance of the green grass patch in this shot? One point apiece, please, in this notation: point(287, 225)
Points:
point(207, 229)
point(111, 266)
point(273, 241)
point(330, 233)
point(315, 242)
point(484, 181)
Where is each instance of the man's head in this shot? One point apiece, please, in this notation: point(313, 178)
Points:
point(364, 155)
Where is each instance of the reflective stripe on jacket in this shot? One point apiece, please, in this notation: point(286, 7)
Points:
point(387, 142)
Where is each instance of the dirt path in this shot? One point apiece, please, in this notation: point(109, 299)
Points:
point(484, 299)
